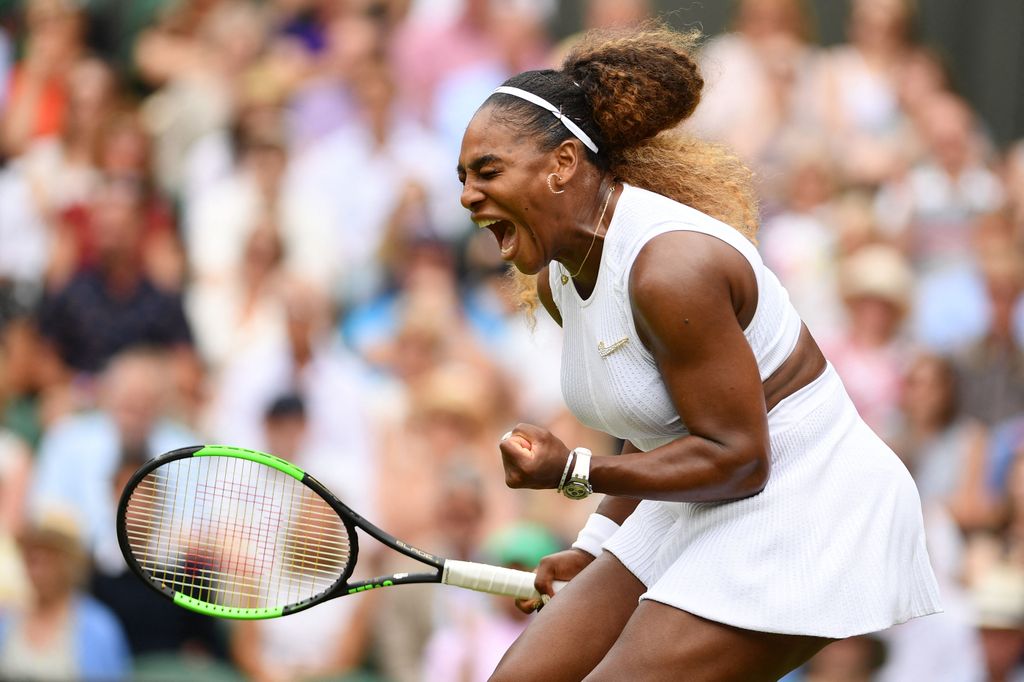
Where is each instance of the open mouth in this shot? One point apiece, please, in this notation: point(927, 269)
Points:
point(506, 234)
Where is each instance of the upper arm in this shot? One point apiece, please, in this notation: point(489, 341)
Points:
point(685, 292)
point(546, 297)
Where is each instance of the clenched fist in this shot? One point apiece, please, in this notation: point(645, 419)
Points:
point(533, 457)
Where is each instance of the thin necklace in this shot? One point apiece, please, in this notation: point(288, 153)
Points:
point(593, 240)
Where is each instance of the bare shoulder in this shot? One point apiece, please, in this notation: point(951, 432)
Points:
point(682, 256)
point(690, 275)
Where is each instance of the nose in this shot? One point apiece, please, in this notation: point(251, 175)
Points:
point(471, 195)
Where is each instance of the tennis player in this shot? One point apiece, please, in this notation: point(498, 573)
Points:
point(752, 516)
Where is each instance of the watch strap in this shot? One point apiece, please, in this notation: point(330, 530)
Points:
point(582, 468)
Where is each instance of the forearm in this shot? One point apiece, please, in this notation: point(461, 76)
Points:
point(617, 509)
point(689, 469)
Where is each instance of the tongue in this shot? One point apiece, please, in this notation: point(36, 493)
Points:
point(509, 240)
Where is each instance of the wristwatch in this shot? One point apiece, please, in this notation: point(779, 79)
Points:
point(578, 486)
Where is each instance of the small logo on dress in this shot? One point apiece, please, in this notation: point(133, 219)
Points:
point(604, 350)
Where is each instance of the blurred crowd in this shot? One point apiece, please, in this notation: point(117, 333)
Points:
point(237, 221)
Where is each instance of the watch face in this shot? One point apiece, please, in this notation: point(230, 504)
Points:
point(576, 490)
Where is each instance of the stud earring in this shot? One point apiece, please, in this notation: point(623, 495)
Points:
point(552, 187)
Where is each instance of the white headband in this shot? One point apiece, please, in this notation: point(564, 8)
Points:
point(544, 104)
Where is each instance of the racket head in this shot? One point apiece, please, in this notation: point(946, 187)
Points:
point(235, 533)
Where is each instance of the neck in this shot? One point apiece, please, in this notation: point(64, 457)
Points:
point(595, 215)
point(122, 276)
point(52, 605)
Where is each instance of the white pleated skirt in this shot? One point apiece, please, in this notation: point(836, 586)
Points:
point(833, 546)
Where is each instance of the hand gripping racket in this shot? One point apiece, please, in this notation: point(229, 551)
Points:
point(237, 533)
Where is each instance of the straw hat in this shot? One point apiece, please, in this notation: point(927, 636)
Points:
point(877, 271)
point(57, 528)
point(998, 598)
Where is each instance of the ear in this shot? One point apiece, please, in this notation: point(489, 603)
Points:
point(568, 158)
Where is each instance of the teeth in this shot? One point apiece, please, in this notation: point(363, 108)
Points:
point(486, 222)
point(511, 247)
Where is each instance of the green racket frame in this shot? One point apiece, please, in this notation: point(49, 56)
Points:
point(350, 518)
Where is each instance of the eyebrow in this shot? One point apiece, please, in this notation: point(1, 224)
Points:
point(478, 163)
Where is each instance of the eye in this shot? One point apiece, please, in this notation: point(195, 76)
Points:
point(489, 174)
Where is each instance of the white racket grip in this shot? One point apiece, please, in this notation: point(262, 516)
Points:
point(492, 579)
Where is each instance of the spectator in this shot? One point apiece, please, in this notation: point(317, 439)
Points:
point(992, 367)
point(869, 354)
point(37, 97)
point(63, 634)
point(123, 156)
point(114, 305)
point(952, 307)
point(932, 208)
point(935, 439)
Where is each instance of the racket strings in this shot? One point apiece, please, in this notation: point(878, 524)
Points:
point(235, 533)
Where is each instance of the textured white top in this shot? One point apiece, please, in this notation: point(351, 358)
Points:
point(609, 380)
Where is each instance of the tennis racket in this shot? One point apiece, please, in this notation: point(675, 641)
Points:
point(237, 533)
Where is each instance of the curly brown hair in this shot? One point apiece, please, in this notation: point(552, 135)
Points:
point(629, 91)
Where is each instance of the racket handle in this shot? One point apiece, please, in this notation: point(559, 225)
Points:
point(492, 579)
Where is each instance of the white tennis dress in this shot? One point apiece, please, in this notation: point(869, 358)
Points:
point(833, 546)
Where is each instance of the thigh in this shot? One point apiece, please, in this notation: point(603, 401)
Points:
point(568, 637)
point(661, 642)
